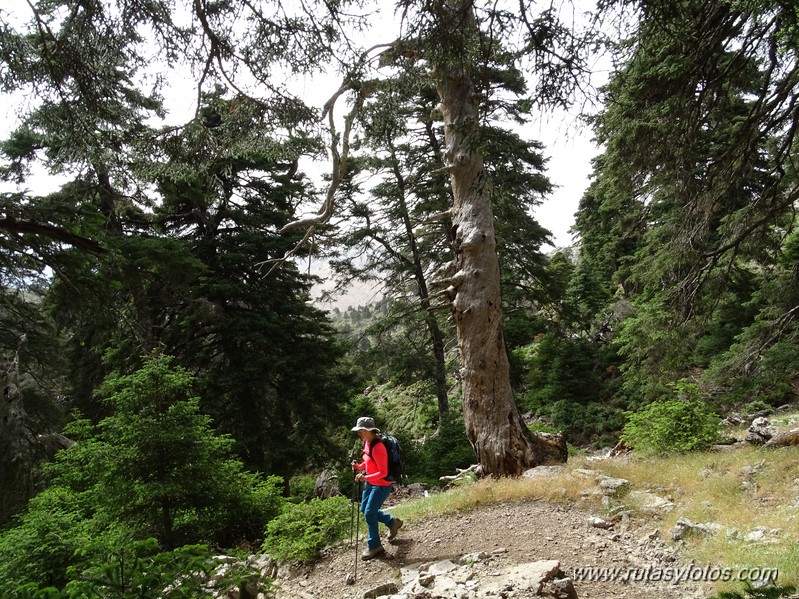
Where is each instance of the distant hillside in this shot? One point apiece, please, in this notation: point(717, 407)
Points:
point(357, 294)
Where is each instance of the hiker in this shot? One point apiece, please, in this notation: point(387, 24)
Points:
point(373, 470)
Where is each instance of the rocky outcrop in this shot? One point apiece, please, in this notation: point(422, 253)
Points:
point(684, 526)
point(474, 576)
point(760, 431)
point(758, 535)
point(326, 485)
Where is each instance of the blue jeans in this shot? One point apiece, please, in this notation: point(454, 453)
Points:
point(371, 501)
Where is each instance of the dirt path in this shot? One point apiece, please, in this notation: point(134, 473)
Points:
point(511, 533)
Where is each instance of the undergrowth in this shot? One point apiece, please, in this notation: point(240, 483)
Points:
point(301, 531)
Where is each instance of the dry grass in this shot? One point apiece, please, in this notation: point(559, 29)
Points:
point(739, 490)
point(561, 488)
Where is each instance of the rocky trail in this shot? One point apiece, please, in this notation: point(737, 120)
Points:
point(505, 550)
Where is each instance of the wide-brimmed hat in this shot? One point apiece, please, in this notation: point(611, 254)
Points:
point(365, 424)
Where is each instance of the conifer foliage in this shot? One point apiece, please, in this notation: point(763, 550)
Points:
point(691, 212)
point(141, 497)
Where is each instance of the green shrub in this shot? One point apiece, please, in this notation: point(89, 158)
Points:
point(242, 515)
point(154, 468)
point(42, 543)
point(756, 405)
point(304, 529)
point(141, 569)
point(445, 451)
point(679, 424)
point(301, 487)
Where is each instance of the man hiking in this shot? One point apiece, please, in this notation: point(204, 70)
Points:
point(372, 470)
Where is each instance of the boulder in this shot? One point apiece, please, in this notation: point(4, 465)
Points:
point(475, 577)
point(760, 431)
point(685, 526)
point(650, 502)
point(613, 486)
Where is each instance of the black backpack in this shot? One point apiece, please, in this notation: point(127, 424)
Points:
point(394, 451)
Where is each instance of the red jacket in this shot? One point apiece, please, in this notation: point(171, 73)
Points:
point(375, 462)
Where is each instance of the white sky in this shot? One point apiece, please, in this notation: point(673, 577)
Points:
point(570, 151)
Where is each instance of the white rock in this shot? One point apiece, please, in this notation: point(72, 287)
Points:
point(598, 522)
point(442, 567)
point(651, 502)
point(612, 486)
point(524, 577)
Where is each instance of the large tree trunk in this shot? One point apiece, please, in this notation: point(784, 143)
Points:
point(16, 456)
point(503, 444)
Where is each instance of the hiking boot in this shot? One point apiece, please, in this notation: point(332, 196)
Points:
point(370, 553)
point(394, 528)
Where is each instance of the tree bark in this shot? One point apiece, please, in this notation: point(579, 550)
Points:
point(503, 444)
point(16, 455)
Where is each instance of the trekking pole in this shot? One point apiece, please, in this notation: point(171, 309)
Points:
point(353, 501)
point(357, 527)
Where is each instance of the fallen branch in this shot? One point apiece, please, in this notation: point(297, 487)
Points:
point(462, 473)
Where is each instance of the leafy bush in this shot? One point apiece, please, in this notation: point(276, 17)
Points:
point(141, 569)
point(442, 453)
point(756, 405)
point(40, 545)
point(301, 487)
point(541, 426)
point(303, 530)
point(679, 424)
point(241, 515)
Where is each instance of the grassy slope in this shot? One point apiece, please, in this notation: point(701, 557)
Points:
point(740, 490)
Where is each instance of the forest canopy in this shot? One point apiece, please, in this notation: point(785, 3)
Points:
point(172, 246)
